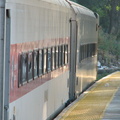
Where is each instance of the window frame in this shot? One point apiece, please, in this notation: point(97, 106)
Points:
point(44, 61)
point(66, 53)
point(59, 56)
point(62, 49)
point(37, 64)
point(53, 66)
point(49, 50)
point(56, 57)
point(20, 60)
point(30, 79)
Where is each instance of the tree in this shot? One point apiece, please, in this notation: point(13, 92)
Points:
point(114, 16)
point(109, 11)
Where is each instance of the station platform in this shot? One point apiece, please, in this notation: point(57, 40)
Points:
point(100, 102)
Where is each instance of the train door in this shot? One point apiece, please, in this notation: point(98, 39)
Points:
point(2, 23)
point(7, 64)
point(73, 50)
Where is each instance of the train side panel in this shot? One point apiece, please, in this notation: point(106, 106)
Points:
point(41, 102)
point(43, 27)
point(40, 55)
point(86, 59)
point(87, 56)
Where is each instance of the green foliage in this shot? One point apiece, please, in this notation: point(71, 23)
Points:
point(99, 7)
point(108, 47)
point(107, 11)
point(108, 7)
point(118, 8)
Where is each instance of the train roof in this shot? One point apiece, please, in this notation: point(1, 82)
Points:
point(38, 2)
point(81, 10)
point(58, 2)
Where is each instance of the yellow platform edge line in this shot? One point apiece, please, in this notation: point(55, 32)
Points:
point(98, 84)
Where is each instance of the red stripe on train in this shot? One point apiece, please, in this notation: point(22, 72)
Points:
point(15, 91)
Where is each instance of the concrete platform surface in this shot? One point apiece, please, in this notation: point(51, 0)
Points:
point(100, 102)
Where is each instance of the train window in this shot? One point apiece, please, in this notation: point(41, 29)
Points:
point(35, 62)
point(56, 55)
point(19, 70)
point(49, 57)
point(95, 49)
point(30, 65)
point(91, 49)
point(87, 50)
point(45, 61)
point(60, 55)
point(82, 52)
point(53, 58)
point(63, 55)
point(79, 54)
point(66, 53)
point(23, 68)
point(38, 62)
point(41, 62)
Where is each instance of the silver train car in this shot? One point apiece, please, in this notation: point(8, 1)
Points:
point(50, 57)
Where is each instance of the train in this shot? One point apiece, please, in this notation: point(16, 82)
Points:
point(50, 56)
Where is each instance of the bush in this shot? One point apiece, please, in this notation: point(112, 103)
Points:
point(108, 48)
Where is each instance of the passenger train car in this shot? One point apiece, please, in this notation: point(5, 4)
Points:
point(53, 56)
